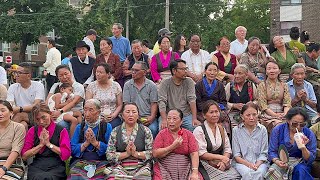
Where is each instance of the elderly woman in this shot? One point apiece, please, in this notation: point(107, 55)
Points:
point(176, 151)
point(254, 57)
point(65, 76)
point(214, 145)
point(12, 135)
point(226, 62)
point(130, 147)
point(250, 144)
point(48, 144)
point(89, 144)
point(108, 92)
point(159, 66)
point(239, 92)
point(274, 98)
point(301, 151)
point(284, 56)
point(108, 57)
point(210, 88)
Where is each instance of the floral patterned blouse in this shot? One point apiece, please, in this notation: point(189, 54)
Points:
point(278, 95)
point(113, 155)
point(107, 97)
point(255, 63)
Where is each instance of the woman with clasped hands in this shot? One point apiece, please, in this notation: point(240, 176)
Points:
point(176, 151)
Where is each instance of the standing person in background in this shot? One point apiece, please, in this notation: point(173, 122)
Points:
point(180, 44)
point(147, 49)
point(53, 60)
point(294, 43)
point(3, 76)
point(121, 45)
point(162, 32)
point(91, 36)
point(68, 56)
point(238, 46)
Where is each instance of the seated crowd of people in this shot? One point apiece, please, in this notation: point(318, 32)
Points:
point(242, 112)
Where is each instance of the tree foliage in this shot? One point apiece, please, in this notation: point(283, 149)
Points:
point(27, 20)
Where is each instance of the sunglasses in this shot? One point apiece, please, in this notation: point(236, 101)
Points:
point(296, 124)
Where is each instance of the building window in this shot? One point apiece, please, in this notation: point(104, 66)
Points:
point(290, 2)
point(34, 49)
point(287, 25)
point(5, 47)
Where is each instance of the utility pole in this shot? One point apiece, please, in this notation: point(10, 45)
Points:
point(127, 21)
point(166, 25)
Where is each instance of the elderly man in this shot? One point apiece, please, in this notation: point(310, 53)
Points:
point(91, 36)
point(196, 58)
point(81, 65)
point(301, 91)
point(136, 55)
point(24, 94)
point(143, 92)
point(53, 60)
point(238, 46)
point(178, 92)
point(121, 45)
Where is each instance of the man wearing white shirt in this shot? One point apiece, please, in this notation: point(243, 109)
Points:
point(24, 94)
point(196, 58)
point(238, 46)
point(53, 60)
point(91, 36)
point(3, 76)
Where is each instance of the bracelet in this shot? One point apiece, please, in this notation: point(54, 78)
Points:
point(194, 168)
point(84, 146)
point(21, 109)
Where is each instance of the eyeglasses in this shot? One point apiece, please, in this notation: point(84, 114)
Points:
point(183, 69)
point(135, 70)
point(296, 124)
point(20, 72)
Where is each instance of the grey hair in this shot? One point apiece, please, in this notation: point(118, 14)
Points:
point(296, 66)
point(244, 67)
point(143, 64)
point(235, 31)
point(119, 25)
point(95, 102)
point(136, 41)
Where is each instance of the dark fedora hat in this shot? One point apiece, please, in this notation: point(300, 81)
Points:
point(81, 44)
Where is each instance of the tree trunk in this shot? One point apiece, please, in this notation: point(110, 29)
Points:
point(23, 48)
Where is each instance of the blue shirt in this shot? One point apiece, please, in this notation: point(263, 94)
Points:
point(309, 90)
point(66, 61)
point(281, 135)
point(121, 46)
point(76, 145)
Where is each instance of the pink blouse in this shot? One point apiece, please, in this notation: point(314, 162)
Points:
point(64, 141)
point(165, 63)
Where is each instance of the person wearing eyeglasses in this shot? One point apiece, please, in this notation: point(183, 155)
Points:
point(136, 55)
point(144, 93)
point(196, 58)
point(178, 92)
point(302, 93)
point(226, 61)
point(24, 94)
point(108, 92)
point(301, 151)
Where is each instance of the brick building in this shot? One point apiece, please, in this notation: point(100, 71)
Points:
point(300, 13)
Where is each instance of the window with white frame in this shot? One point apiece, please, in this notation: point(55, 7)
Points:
point(5, 47)
point(34, 49)
point(290, 2)
point(287, 25)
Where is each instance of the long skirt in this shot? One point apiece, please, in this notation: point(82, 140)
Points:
point(270, 122)
point(217, 174)
point(129, 169)
point(277, 173)
point(37, 173)
point(15, 172)
point(78, 169)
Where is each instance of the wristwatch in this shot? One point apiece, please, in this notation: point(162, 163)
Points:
point(51, 146)
point(21, 109)
point(4, 169)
